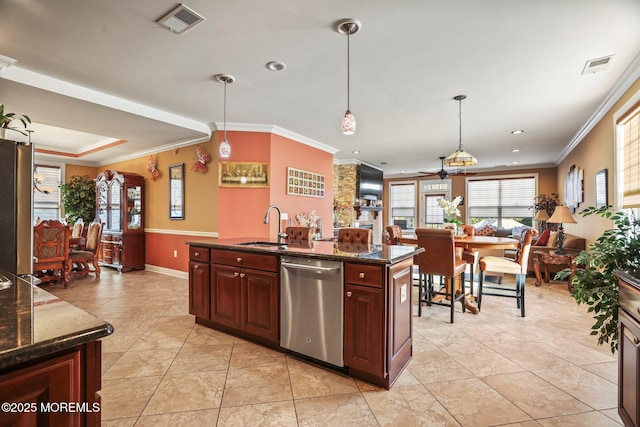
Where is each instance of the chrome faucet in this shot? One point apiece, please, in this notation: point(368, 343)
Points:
point(281, 235)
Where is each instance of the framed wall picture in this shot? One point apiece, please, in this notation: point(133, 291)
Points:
point(243, 174)
point(176, 191)
point(602, 198)
point(305, 183)
point(573, 188)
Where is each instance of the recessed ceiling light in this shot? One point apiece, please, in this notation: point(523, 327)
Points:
point(276, 65)
point(403, 171)
point(356, 152)
point(515, 162)
point(517, 131)
point(515, 150)
point(383, 163)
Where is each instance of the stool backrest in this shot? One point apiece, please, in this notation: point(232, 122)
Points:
point(439, 256)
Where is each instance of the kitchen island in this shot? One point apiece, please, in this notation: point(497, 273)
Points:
point(235, 286)
point(50, 358)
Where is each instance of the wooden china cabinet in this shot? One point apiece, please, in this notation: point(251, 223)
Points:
point(120, 206)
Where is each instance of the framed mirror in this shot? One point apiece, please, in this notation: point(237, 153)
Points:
point(176, 191)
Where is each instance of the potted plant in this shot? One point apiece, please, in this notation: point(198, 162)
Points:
point(6, 120)
point(595, 283)
point(79, 198)
point(451, 211)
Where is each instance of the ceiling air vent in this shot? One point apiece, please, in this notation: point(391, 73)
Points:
point(595, 65)
point(180, 19)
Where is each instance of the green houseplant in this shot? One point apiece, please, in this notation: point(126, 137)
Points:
point(79, 198)
point(595, 283)
point(6, 120)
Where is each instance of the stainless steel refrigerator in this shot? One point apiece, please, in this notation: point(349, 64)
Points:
point(16, 207)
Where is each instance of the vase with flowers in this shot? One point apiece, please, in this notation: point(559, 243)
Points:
point(339, 206)
point(451, 211)
point(311, 220)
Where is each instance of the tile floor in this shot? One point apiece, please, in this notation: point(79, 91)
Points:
point(490, 369)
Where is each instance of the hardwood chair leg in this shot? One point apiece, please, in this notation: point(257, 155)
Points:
point(480, 289)
point(521, 280)
point(452, 294)
point(420, 295)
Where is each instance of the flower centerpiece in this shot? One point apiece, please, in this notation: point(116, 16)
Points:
point(339, 205)
point(451, 211)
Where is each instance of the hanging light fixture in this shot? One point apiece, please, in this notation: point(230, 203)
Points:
point(348, 27)
point(460, 157)
point(225, 149)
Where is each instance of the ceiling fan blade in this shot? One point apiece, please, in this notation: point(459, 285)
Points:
point(428, 173)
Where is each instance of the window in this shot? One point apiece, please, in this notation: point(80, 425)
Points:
point(402, 201)
point(46, 192)
point(432, 215)
point(502, 202)
point(630, 124)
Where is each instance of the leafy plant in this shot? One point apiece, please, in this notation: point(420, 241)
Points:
point(79, 198)
point(546, 203)
point(7, 118)
point(595, 284)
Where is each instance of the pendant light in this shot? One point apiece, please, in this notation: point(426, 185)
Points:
point(225, 149)
point(348, 27)
point(460, 157)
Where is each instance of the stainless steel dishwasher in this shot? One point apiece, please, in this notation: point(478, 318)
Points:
point(311, 303)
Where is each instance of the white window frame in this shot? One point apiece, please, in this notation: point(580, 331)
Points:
point(58, 165)
point(618, 156)
point(416, 207)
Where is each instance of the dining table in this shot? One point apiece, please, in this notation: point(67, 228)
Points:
point(472, 243)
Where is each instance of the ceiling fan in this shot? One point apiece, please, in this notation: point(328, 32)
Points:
point(442, 173)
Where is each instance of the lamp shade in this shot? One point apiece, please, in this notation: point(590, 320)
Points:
point(460, 158)
point(561, 216)
point(542, 215)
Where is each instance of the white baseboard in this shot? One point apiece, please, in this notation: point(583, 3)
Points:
point(168, 271)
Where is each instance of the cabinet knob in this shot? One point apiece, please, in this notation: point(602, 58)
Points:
point(239, 259)
point(195, 267)
point(361, 275)
point(241, 274)
point(236, 274)
point(349, 293)
point(197, 253)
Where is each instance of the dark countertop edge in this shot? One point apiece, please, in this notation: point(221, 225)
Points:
point(632, 280)
point(344, 256)
point(54, 345)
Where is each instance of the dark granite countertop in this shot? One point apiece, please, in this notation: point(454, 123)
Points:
point(354, 252)
point(35, 323)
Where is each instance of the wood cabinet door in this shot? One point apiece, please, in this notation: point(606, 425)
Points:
point(364, 329)
point(199, 289)
point(46, 383)
point(629, 370)
point(261, 301)
point(226, 296)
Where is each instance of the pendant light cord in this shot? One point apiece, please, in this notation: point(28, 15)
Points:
point(460, 123)
point(225, 110)
point(348, 68)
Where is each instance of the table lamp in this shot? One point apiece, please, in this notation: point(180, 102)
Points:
point(542, 216)
point(561, 215)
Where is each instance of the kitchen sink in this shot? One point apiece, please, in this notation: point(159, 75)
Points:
point(264, 244)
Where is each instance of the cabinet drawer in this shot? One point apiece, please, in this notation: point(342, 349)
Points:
point(245, 259)
point(198, 254)
point(362, 274)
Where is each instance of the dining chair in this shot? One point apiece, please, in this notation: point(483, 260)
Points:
point(299, 233)
point(395, 234)
point(51, 252)
point(469, 255)
point(439, 258)
point(81, 259)
point(355, 235)
point(76, 232)
point(504, 265)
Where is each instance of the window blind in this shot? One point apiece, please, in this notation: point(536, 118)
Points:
point(46, 192)
point(501, 198)
point(631, 157)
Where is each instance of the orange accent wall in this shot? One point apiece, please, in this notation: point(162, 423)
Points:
point(160, 247)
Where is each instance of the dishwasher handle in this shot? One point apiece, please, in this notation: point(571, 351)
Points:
point(309, 267)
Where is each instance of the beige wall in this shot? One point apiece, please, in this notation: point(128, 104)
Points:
point(594, 153)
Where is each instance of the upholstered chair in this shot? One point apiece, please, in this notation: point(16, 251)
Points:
point(299, 233)
point(395, 234)
point(469, 255)
point(516, 266)
point(51, 251)
point(81, 259)
point(439, 258)
point(77, 233)
point(355, 235)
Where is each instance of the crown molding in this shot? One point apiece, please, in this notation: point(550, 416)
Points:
point(277, 130)
point(165, 147)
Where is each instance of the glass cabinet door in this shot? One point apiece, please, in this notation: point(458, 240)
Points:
point(114, 211)
point(134, 207)
point(102, 203)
